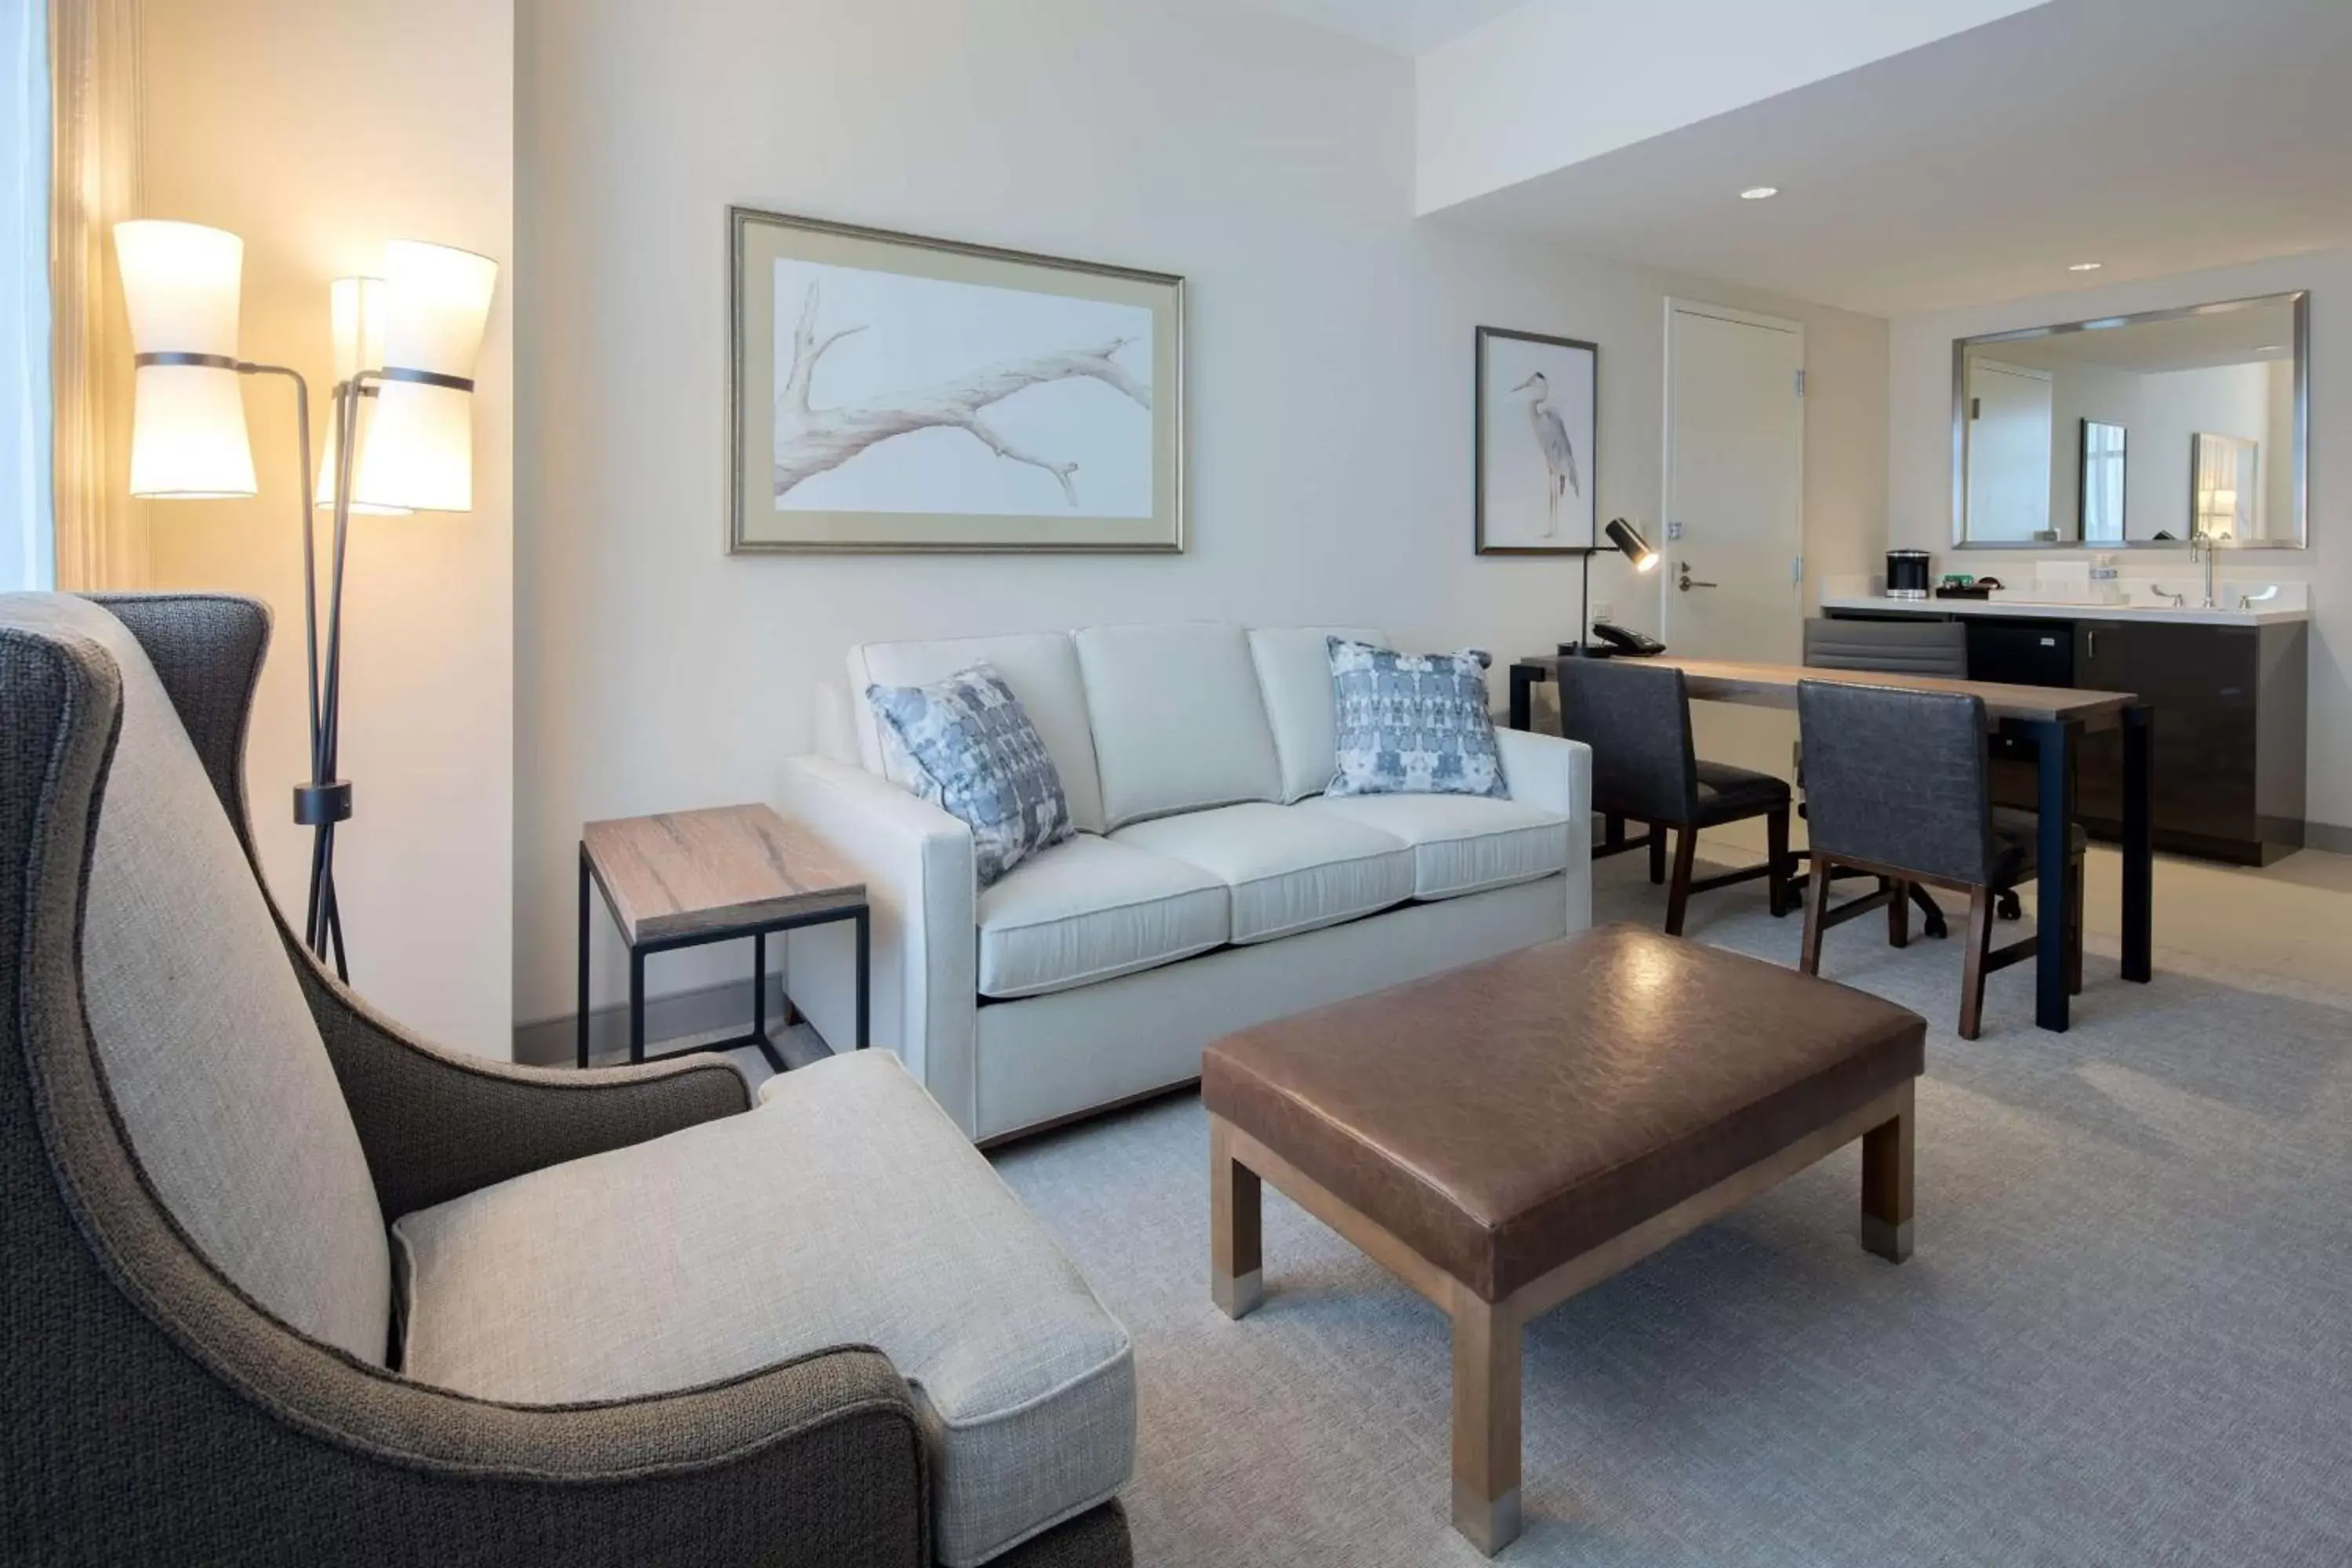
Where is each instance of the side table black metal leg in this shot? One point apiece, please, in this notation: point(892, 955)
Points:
point(759, 1000)
point(2139, 845)
point(583, 956)
point(864, 978)
point(2054, 801)
point(637, 1005)
point(1523, 684)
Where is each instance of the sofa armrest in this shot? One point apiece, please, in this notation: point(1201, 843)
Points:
point(436, 1124)
point(1554, 775)
point(917, 861)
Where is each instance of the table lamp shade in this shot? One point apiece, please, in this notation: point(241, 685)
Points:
point(419, 450)
point(355, 308)
point(180, 290)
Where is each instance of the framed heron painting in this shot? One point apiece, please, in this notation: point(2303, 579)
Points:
point(890, 393)
point(1538, 447)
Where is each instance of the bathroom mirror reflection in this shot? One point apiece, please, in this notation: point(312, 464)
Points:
point(2144, 430)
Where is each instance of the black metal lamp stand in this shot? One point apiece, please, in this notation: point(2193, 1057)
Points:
point(1627, 541)
point(325, 800)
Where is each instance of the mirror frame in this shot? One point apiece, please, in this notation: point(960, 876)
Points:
point(2299, 457)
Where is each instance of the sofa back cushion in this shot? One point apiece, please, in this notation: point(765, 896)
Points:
point(1179, 724)
point(1041, 668)
point(1294, 676)
point(210, 1052)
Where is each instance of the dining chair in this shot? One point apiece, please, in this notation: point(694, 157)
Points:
point(1907, 646)
point(1636, 718)
point(1899, 786)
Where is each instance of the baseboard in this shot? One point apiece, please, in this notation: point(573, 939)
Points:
point(669, 1021)
point(2331, 837)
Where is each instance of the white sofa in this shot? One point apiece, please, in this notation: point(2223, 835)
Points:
point(1211, 885)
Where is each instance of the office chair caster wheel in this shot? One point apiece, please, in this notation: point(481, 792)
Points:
point(2007, 907)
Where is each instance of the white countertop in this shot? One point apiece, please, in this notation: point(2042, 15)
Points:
point(2289, 607)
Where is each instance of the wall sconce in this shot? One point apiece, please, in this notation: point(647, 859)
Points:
point(405, 351)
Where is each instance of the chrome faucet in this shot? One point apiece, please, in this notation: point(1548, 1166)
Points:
point(2202, 545)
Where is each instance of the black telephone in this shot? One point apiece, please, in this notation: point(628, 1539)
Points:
point(1626, 642)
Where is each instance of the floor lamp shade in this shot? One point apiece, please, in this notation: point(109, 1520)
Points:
point(355, 308)
point(419, 451)
point(180, 286)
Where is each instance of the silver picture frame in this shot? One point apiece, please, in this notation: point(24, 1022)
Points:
point(756, 236)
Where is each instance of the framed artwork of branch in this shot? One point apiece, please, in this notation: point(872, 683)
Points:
point(1537, 410)
point(889, 392)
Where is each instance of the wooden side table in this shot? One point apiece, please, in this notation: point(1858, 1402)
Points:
point(686, 878)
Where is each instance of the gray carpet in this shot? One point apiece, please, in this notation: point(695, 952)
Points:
point(2126, 1337)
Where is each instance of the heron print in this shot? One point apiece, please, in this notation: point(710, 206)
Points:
point(1535, 461)
point(1558, 451)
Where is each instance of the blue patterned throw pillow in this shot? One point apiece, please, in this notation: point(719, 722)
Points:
point(975, 755)
point(1411, 723)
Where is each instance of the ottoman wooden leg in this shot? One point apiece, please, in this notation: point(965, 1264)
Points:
point(1485, 1421)
point(1887, 1184)
point(1236, 1270)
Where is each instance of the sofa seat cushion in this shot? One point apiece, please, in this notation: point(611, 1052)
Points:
point(1289, 869)
point(1461, 844)
point(847, 1210)
point(1087, 910)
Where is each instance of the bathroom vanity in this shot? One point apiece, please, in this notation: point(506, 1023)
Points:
point(2228, 688)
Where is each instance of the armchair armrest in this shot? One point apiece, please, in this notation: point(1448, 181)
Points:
point(916, 862)
point(436, 1124)
point(1554, 775)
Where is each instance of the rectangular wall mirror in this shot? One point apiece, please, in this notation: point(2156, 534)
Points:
point(2138, 431)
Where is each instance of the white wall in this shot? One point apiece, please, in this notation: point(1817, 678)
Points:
point(317, 132)
point(1329, 365)
point(1558, 82)
point(1919, 466)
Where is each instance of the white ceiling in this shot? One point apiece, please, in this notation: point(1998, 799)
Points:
point(2155, 136)
point(1406, 27)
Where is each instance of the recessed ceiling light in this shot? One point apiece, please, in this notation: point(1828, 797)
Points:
point(2086, 266)
point(1758, 192)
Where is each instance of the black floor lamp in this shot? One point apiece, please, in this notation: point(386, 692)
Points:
point(405, 349)
point(1623, 536)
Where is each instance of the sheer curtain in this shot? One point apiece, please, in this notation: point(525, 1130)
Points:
point(25, 531)
point(101, 533)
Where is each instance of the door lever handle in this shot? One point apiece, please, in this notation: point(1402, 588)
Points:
point(1685, 583)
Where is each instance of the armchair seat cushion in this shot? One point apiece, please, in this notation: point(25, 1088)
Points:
point(1461, 844)
point(1289, 869)
point(1088, 910)
point(847, 1209)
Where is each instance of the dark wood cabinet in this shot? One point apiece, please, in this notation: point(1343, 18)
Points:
point(2229, 707)
point(2229, 704)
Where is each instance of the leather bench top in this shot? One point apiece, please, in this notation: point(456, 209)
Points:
point(1503, 1118)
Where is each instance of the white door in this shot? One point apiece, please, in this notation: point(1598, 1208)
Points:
point(1733, 578)
point(2008, 451)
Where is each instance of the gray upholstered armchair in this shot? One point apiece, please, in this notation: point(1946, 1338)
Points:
point(605, 1325)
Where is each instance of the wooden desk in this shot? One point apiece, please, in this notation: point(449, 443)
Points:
point(2053, 717)
point(681, 878)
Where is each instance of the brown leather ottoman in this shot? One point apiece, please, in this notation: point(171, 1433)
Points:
point(1504, 1135)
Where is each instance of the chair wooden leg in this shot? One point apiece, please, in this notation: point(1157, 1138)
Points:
point(1972, 979)
point(1776, 851)
point(1679, 894)
point(1898, 911)
point(1817, 903)
point(1487, 1367)
point(1887, 1184)
point(1236, 1263)
point(2074, 927)
point(1657, 855)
